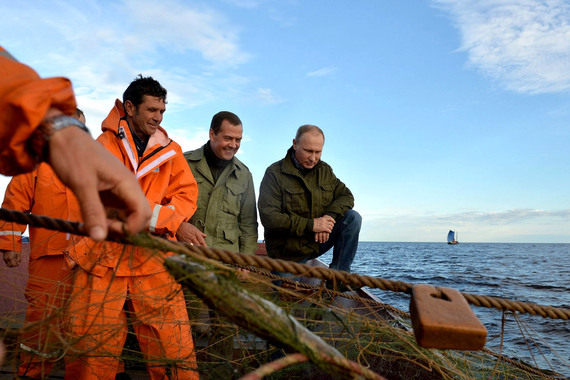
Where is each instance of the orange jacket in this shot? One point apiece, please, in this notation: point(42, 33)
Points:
point(168, 184)
point(24, 100)
point(39, 192)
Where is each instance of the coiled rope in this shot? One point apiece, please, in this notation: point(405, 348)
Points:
point(245, 261)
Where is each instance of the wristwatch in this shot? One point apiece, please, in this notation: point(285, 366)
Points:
point(58, 122)
point(40, 140)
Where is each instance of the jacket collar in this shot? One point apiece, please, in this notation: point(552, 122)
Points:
point(198, 155)
point(116, 123)
point(288, 166)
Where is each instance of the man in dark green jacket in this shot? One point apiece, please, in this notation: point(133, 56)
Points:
point(226, 218)
point(305, 209)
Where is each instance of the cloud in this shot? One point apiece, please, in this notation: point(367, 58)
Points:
point(488, 217)
point(517, 225)
point(505, 217)
point(193, 50)
point(267, 96)
point(322, 72)
point(522, 44)
point(179, 26)
point(250, 4)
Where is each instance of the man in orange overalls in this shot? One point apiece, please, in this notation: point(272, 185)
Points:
point(42, 193)
point(112, 274)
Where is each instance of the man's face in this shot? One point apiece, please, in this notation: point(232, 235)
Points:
point(308, 149)
point(146, 118)
point(226, 143)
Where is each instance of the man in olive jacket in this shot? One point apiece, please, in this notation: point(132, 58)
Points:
point(305, 209)
point(226, 217)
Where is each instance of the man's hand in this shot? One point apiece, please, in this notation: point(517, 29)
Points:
point(190, 234)
point(97, 178)
point(323, 224)
point(12, 258)
point(242, 274)
point(321, 237)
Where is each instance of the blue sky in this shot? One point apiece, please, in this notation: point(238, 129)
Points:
point(438, 115)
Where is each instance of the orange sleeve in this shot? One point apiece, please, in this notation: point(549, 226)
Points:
point(179, 201)
point(19, 196)
point(25, 99)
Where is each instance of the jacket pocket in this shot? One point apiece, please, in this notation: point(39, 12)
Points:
point(231, 235)
point(327, 194)
point(231, 203)
point(296, 201)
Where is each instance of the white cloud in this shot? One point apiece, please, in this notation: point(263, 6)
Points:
point(267, 96)
point(250, 4)
point(523, 44)
point(192, 50)
point(178, 26)
point(528, 225)
point(322, 72)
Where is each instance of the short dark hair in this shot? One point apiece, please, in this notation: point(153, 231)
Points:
point(308, 128)
point(142, 86)
point(220, 117)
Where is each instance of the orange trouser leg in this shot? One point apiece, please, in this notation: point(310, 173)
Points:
point(163, 327)
point(97, 325)
point(47, 291)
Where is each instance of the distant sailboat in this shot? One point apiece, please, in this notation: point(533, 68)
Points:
point(451, 237)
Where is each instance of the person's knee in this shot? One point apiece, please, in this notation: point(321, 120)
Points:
point(353, 218)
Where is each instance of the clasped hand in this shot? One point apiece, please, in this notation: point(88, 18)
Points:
point(322, 227)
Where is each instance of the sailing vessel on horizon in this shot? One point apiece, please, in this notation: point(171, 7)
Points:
point(452, 237)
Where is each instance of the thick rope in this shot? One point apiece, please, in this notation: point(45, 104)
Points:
point(350, 279)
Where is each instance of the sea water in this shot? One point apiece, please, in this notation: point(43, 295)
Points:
point(537, 273)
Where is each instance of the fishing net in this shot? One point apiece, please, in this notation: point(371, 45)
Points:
point(239, 322)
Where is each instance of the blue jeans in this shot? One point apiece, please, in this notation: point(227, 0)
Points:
point(344, 239)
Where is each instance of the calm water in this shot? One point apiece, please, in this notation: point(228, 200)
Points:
point(538, 273)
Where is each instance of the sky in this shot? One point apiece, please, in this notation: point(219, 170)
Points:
point(438, 114)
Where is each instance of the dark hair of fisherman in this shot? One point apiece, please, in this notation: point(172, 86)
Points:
point(142, 86)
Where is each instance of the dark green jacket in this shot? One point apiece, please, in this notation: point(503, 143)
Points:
point(226, 209)
point(289, 201)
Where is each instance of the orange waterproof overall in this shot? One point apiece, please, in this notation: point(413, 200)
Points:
point(42, 193)
point(111, 273)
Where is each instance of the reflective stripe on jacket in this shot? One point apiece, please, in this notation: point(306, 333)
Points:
point(42, 193)
point(226, 210)
point(289, 201)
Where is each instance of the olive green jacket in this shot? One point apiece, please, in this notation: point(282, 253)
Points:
point(289, 201)
point(226, 209)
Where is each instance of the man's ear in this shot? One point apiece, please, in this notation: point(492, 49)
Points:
point(130, 108)
point(294, 144)
point(211, 134)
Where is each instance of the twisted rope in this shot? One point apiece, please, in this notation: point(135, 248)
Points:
point(351, 279)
